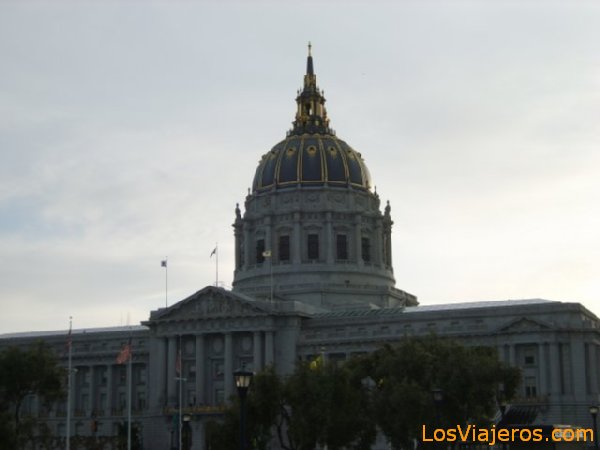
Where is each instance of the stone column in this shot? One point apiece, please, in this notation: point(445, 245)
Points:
point(578, 369)
point(247, 247)
point(200, 370)
point(501, 353)
point(542, 369)
point(357, 240)
point(268, 235)
point(297, 240)
point(159, 366)
point(171, 363)
point(329, 240)
point(269, 348)
point(593, 368)
point(378, 244)
point(512, 359)
point(109, 389)
point(555, 370)
point(257, 351)
point(228, 365)
point(238, 245)
point(92, 392)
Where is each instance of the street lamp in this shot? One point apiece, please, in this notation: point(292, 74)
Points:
point(594, 414)
point(181, 380)
point(243, 378)
point(501, 400)
point(438, 398)
point(186, 432)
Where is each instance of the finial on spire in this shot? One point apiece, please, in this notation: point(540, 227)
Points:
point(309, 61)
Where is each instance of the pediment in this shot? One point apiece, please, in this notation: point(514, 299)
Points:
point(211, 303)
point(524, 324)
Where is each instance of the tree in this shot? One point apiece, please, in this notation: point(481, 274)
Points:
point(318, 405)
point(323, 405)
point(34, 371)
point(404, 377)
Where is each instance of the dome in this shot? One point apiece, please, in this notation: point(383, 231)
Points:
point(311, 160)
point(311, 155)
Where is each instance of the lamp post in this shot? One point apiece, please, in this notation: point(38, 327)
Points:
point(594, 414)
point(438, 399)
point(181, 380)
point(243, 379)
point(186, 432)
point(501, 400)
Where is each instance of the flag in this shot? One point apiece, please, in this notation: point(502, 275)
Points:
point(266, 254)
point(124, 354)
point(163, 263)
point(178, 363)
point(213, 252)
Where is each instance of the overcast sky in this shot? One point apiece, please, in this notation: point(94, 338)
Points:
point(129, 130)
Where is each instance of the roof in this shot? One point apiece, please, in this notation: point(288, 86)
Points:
point(430, 308)
point(475, 305)
point(81, 331)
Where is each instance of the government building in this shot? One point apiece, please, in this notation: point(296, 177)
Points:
point(313, 276)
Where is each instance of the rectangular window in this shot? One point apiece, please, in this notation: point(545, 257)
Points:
point(284, 248)
point(191, 373)
point(103, 376)
point(313, 246)
point(366, 249)
point(260, 248)
point(142, 375)
point(141, 401)
point(342, 246)
point(219, 396)
point(530, 387)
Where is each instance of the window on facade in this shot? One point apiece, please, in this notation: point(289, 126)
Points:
point(284, 248)
point(218, 369)
point(219, 396)
point(122, 401)
point(122, 375)
point(191, 396)
point(366, 249)
point(529, 360)
point(142, 375)
point(260, 248)
point(141, 401)
point(342, 246)
point(530, 387)
point(103, 376)
point(313, 246)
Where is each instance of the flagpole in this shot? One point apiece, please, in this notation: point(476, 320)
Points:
point(180, 398)
point(129, 372)
point(217, 261)
point(166, 266)
point(69, 370)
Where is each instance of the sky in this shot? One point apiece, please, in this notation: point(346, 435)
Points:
point(129, 130)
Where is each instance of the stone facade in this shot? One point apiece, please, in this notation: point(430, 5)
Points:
point(313, 276)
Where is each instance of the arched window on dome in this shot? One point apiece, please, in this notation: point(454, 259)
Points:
point(284, 248)
point(341, 241)
point(313, 246)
